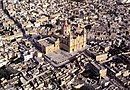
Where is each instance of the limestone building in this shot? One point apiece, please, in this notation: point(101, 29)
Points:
point(73, 37)
point(50, 44)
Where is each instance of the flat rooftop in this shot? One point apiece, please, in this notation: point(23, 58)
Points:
point(47, 41)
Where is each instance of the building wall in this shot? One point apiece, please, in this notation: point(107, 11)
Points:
point(101, 57)
point(57, 45)
point(49, 49)
point(77, 43)
point(64, 43)
point(52, 47)
point(64, 46)
point(66, 29)
point(103, 73)
point(71, 44)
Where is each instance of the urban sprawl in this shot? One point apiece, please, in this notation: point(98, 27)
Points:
point(64, 44)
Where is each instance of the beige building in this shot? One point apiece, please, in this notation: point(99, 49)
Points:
point(68, 40)
point(101, 58)
point(72, 40)
point(50, 44)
